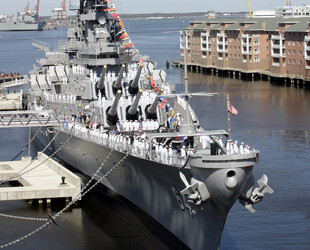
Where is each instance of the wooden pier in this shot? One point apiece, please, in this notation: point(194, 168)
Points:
point(264, 75)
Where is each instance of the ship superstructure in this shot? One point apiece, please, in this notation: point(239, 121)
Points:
point(122, 118)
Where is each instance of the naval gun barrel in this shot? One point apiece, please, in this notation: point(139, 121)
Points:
point(132, 113)
point(134, 85)
point(117, 85)
point(112, 111)
point(102, 78)
point(151, 109)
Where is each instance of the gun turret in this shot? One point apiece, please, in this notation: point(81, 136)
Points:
point(112, 111)
point(117, 85)
point(134, 85)
point(132, 113)
point(100, 86)
point(150, 110)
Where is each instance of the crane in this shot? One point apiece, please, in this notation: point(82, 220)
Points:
point(61, 12)
point(27, 8)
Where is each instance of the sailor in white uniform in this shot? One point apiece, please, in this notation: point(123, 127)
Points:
point(183, 155)
point(228, 147)
point(170, 154)
point(236, 148)
point(241, 148)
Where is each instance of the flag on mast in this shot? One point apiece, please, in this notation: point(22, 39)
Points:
point(230, 108)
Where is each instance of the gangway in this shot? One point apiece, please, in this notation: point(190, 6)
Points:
point(26, 118)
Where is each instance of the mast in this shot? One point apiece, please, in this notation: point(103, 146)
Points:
point(185, 66)
point(187, 126)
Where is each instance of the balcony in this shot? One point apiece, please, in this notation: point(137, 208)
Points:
point(245, 36)
point(221, 34)
point(275, 46)
point(204, 34)
point(307, 48)
point(276, 64)
point(307, 57)
point(307, 66)
point(222, 50)
point(307, 38)
point(274, 37)
point(277, 55)
point(245, 52)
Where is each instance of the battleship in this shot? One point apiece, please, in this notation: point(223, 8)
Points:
point(125, 127)
point(27, 21)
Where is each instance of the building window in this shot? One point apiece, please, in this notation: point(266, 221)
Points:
point(256, 50)
point(289, 43)
point(230, 47)
point(294, 61)
point(299, 52)
point(256, 42)
point(294, 52)
point(299, 43)
point(234, 55)
point(293, 43)
point(289, 61)
point(300, 62)
point(239, 48)
point(267, 48)
point(239, 56)
point(289, 52)
point(256, 59)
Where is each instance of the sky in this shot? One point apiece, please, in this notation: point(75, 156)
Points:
point(155, 6)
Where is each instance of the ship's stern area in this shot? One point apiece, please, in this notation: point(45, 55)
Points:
point(223, 179)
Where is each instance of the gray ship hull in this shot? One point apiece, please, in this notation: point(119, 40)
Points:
point(19, 26)
point(147, 184)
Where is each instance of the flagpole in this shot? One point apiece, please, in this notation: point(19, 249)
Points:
point(228, 119)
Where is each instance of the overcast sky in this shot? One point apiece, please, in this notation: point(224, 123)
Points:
point(152, 6)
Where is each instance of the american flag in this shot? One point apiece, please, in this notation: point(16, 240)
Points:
point(231, 108)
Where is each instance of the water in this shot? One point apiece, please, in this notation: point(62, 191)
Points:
point(273, 119)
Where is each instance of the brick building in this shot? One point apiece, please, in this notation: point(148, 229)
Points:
point(278, 47)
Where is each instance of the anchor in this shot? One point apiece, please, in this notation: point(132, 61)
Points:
point(258, 194)
point(196, 192)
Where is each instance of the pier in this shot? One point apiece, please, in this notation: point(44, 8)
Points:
point(42, 178)
point(258, 75)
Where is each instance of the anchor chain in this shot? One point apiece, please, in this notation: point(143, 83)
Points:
point(78, 197)
point(22, 218)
